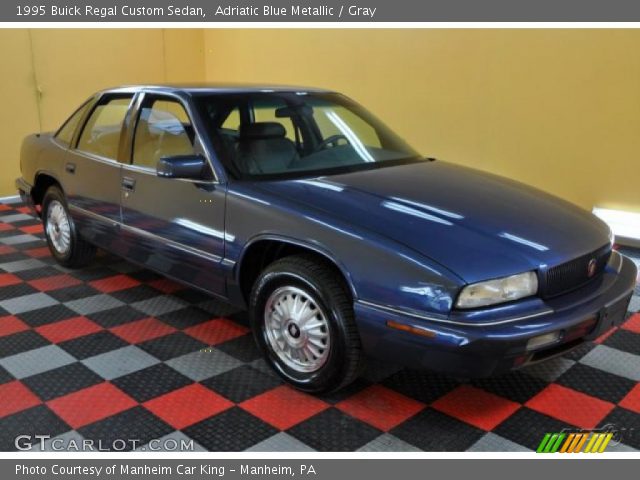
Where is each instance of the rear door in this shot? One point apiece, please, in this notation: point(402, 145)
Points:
point(91, 175)
point(178, 224)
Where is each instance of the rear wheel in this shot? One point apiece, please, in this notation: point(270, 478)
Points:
point(66, 246)
point(302, 317)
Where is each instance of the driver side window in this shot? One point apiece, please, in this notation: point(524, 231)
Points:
point(163, 130)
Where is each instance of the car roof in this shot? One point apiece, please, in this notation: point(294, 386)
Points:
point(212, 88)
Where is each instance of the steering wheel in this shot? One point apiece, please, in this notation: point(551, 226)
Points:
point(332, 140)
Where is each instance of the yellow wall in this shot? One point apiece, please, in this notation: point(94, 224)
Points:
point(19, 107)
point(559, 109)
point(46, 74)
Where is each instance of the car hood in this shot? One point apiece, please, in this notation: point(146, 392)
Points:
point(476, 224)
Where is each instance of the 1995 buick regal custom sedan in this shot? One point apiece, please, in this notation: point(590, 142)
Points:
point(340, 239)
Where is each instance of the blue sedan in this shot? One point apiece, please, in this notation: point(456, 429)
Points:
point(340, 239)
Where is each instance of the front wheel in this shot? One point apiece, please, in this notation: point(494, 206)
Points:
point(66, 246)
point(302, 317)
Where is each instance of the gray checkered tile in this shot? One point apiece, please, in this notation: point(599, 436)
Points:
point(550, 369)
point(202, 365)
point(18, 239)
point(281, 442)
point(613, 361)
point(15, 217)
point(26, 303)
point(388, 443)
point(495, 443)
point(122, 361)
point(20, 265)
point(36, 361)
point(93, 304)
point(158, 305)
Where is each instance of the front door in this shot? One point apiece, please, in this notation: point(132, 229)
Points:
point(178, 224)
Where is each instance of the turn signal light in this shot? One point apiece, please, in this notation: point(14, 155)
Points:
point(408, 328)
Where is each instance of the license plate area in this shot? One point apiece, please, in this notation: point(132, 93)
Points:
point(610, 316)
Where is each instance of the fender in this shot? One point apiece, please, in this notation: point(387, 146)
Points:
point(317, 248)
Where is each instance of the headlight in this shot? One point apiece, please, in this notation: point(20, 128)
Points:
point(498, 291)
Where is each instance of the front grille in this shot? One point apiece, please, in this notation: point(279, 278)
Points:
point(574, 274)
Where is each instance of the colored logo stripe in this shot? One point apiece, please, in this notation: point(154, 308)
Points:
point(568, 442)
point(574, 442)
point(550, 443)
point(598, 443)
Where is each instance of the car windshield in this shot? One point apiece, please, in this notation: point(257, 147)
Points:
point(269, 135)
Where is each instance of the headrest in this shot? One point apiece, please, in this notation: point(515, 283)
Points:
point(260, 130)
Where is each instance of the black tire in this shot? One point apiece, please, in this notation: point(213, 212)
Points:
point(79, 252)
point(326, 287)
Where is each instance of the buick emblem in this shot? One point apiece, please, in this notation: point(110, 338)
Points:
point(591, 268)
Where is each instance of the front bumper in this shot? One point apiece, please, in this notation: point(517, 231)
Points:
point(465, 346)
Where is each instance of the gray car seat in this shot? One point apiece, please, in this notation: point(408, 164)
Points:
point(263, 148)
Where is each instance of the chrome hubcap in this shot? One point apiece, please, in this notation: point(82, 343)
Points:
point(58, 228)
point(297, 329)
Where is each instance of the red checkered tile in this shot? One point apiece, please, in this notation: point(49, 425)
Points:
point(5, 227)
point(4, 249)
point(142, 330)
point(166, 285)
point(570, 406)
point(633, 323)
point(15, 397)
point(27, 210)
point(38, 252)
point(605, 335)
point(7, 279)
point(4, 207)
point(381, 407)
point(55, 282)
point(632, 400)
point(187, 405)
point(91, 404)
point(284, 407)
point(115, 283)
point(216, 331)
point(10, 325)
point(31, 229)
point(476, 407)
point(68, 329)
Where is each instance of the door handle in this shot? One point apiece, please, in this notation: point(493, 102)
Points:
point(70, 168)
point(128, 184)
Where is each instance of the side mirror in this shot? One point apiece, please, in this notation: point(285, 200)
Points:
point(181, 166)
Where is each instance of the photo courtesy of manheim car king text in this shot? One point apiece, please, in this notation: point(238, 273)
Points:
point(319, 239)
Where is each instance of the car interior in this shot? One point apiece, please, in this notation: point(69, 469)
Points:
point(258, 138)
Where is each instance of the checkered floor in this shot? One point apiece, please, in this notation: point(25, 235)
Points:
point(115, 352)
